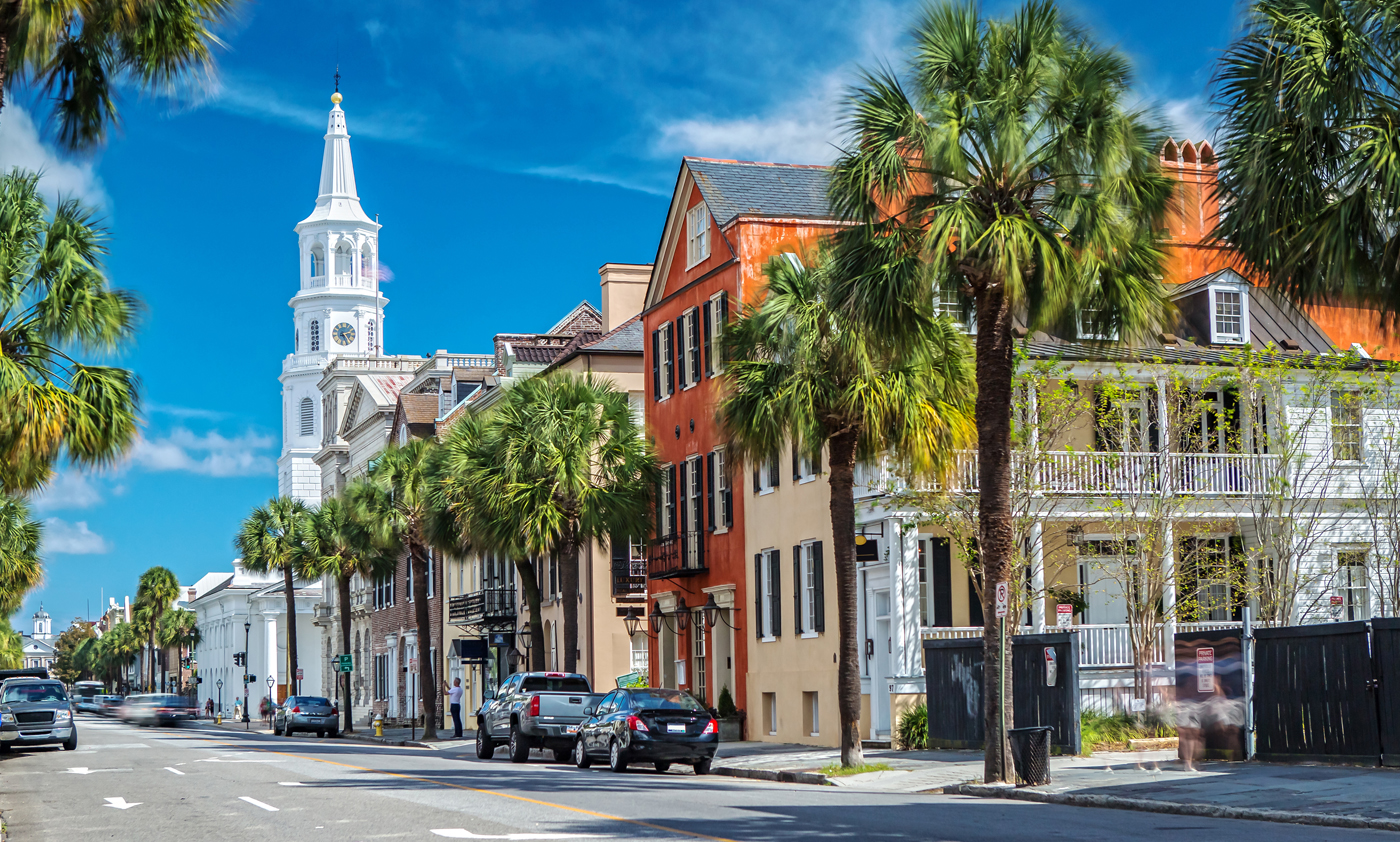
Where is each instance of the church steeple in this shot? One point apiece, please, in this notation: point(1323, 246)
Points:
point(337, 200)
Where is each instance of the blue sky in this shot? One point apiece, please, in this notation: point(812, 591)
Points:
point(510, 149)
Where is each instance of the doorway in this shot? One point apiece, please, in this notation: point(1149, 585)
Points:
point(879, 649)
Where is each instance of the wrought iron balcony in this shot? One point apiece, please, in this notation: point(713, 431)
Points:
point(487, 606)
point(677, 555)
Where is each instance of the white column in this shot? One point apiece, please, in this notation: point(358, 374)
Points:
point(273, 662)
point(905, 582)
point(1038, 576)
point(1169, 595)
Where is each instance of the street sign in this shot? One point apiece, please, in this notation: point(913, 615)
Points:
point(1003, 599)
point(1064, 615)
point(299, 674)
point(345, 663)
point(1205, 670)
point(413, 665)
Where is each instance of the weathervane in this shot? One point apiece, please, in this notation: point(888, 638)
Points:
point(337, 78)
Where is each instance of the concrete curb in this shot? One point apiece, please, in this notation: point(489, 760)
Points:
point(1146, 805)
point(383, 741)
point(772, 775)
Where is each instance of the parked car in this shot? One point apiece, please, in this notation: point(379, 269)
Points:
point(534, 710)
point(157, 709)
point(649, 725)
point(87, 704)
point(109, 705)
point(36, 712)
point(306, 713)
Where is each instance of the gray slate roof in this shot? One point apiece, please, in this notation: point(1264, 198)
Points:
point(744, 188)
point(626, 338)
point(1272, 318)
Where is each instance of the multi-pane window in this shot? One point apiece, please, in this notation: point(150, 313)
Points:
point(308, 417)
point(369, 337)
point(721, 495)
point(716, 315)
point(432, 569)
point(697, 238)
point(1227, 315)
point(699, 685)
point(666, 503)
point(767, 475)
point(768, 587)
point(1346, 426)
point(948, 302)
point(1351, 584)
point(808, 576)
point(315, 335)
point(925, 584)
point(688, 366)
point(663, 367)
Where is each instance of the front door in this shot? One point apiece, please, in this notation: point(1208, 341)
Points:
point(879, 648)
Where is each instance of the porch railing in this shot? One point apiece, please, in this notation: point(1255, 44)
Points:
point(682, 554)
point(1101, 646)
point(483, 606)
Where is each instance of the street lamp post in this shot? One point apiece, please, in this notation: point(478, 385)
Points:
point(271, 682)
point(220, 685)
point(247, 629)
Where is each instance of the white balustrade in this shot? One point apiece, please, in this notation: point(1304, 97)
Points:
point(1095, 473)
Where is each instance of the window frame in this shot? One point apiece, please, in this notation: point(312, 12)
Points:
point(765, 589)
point(808, 585)
point(1356, 449)
point(306, 410)
point(697, 235)
point(315, 338)
point(668, 360)
point(769, 478)
point(724, 493)
point(1213, 304)
point(688, 350)
point(1357, 558)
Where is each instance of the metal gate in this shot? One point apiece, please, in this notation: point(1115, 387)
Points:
point(1385, 650)
point(1314, 696)
point(953, 672)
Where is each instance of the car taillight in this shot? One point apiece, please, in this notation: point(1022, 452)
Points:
point(636, 724)
point(335, 711)
point(712, 727)
point(296, 709)
point(534, 705)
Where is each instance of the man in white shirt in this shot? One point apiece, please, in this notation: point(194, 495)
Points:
point(454, 698)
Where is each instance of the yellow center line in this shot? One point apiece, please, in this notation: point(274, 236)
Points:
point(566, 807)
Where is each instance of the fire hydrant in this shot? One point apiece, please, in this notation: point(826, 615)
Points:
point(219, 718)
point(379, 725)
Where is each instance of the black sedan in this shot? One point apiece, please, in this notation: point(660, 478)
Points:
point(648, 725)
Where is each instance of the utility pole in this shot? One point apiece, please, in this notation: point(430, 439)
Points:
point(247, 628)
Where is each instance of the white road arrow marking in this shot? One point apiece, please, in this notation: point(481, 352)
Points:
point(120, 803)
point(290, 783)
point(256, 803)
point(83, 770)
point(173, 769)
point(225, 759)
point(459, 833)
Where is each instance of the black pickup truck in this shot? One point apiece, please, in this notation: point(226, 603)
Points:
point(535, 710)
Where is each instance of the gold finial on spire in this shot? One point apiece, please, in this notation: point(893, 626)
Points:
point(336, 97)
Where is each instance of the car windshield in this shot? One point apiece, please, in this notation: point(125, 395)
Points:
point(170, 701)
point(309, 701)
point(665, 700)
point(556, 684)
point(34, 693)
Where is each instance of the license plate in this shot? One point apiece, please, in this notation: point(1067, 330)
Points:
point(570, 729)
point(675, 729)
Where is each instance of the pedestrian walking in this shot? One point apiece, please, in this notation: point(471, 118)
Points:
point(454, 698)
point(209, 708)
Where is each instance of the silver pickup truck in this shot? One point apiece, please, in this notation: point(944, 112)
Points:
point(36, 711)
point(535, 710)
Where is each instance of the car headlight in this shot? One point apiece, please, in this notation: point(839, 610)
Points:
point(7, 719)
point(62, 715)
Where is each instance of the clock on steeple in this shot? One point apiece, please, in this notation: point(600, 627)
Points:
point(344, 334)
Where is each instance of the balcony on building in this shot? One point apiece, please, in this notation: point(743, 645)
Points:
point(677, 556)
point(484, 607)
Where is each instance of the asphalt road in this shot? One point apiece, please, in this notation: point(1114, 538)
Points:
point(176, 785)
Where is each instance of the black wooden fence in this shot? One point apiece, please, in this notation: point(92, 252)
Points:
point(1385, 654)
point(953, 671)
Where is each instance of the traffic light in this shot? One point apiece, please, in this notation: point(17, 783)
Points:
point(238, 658)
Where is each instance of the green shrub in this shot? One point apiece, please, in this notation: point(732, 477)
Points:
point(1098, 730)
point(725, 706)
point(912, 733)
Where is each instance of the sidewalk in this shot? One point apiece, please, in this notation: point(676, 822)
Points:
point(1314, 794)
point(365, 734)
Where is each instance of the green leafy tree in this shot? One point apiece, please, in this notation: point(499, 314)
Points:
point(341, 544)
point(68, 666)
point(11, 645)
point(1011, 159)
point(800, 371)
point(1308, 163)
point(54, 304)
point(155, 592)
point(75, 51)
point(396, 500)
point(20, 566)
point(273, 538)
point(179, 629)
point(118, 650)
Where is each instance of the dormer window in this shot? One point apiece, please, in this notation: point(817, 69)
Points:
point(1229, 315)
point(948, 301)
point(1088, 316)
point(697, 235)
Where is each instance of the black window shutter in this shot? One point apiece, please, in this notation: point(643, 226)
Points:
point(757, 482)
point(670, 351)
point(710, 490)
point(709, 340)
point(819, 576)
point(941, 553)
point(796, 463)
point(776, 568)
point(817, 460)
point(656, 364)
point(728, 506)
point(797, 590)
point(671, 508)
point(723, 309)
point(758, 595)
point(694, 346)
point(683, 498)
point(682, 374)
point(974, 604)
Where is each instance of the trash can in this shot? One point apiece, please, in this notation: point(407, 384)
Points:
point(1030, 751)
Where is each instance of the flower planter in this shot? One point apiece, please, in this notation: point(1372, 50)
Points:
point(731, 729)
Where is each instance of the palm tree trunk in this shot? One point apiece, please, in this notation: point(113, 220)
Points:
point(568, 585)
point(343, 586)
point(427, 687)
point(531, 586)
point(289, 583)
point(843, 532)
point(996, 530)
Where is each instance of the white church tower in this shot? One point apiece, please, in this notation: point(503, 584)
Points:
point(337, 311)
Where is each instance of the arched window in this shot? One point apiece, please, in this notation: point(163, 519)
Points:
point(342, 260)
point(308, 417)
point(315, 335)
point(315, 265)
point(366, 267)
point(296, 340)
point(369, 337)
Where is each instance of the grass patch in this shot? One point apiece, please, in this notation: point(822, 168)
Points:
point(836, 770)
point(1098, 731)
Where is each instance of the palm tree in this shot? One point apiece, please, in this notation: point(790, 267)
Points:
point(20, 566)
point(800, 371)
point(272, 538)
point(179, 629)
point(56, 303)
point(1307, 163)
point(11, 645)
point(396, 498)
point(155, 591)
point(568, 465)
point(119, 648)
point(1013, 164)
point(340, 544)
point(76, 50)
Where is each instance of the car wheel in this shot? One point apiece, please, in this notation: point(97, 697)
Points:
point(703, 767)
point(72, 741)
point(4, 748)
point(484, 747)
point(519, 748)
point(276, 732)
point(663, 767)
point(581, 758)
point(616, 761)
point(561, 755)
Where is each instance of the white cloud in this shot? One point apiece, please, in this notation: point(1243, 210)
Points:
point(186, 411)
point(250, 97)
point(211, 454)
point(68, 490)
point(1189, 119)
point(802, 131)
point(61, 536)
point(20, 146)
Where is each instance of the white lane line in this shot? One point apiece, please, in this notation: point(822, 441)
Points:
point(290, 783)
point(173, 769)
point(83, 770)
point(256, 803)
point(120, 803)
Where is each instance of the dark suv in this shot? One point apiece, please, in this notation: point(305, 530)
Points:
point(36, 712)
